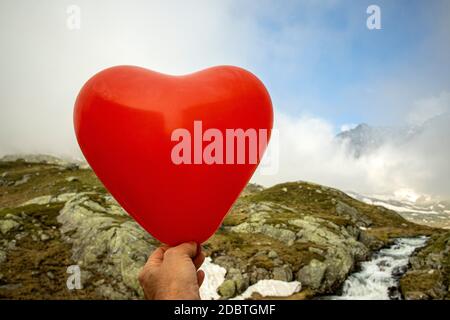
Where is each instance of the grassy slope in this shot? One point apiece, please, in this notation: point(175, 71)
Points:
point(37, 269)
point(319, 201)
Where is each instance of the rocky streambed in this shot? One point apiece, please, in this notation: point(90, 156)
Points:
point(378, 278)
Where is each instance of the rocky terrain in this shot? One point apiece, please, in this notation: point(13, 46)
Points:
point(55, 214)
point(429, 273)
point(417, 209)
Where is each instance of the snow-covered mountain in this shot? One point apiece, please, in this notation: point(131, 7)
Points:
point(364, 138)
point(415, 208)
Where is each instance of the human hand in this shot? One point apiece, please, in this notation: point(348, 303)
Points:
point(171, 273)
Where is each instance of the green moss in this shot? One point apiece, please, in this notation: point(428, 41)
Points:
point(32, 260)
point(44, 179)
point(44, 213)
point(423, 278)
point(245, 246)
point(281, 218)
point(423, 281)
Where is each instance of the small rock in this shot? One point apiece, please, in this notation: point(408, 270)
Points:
point(94, 206)
point(316, 250)
point(12, 217)
point(399, 271)
point(72, 179)
point(2, 256)
point(21, 235)
point(24, 180)
point(282, 273)
point(71, 166)
point(11, 287)
point(272, 254)
point(416, 295)
point(8, 225)
point(227, 289)
point(11, 245)
point(277, 262)
point(242, 283)
point(45, 237)
point(259, 274)
point(50, 275)
point(312, 274)
point(99, 282)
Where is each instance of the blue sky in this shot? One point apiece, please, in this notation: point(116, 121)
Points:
point(335, 73)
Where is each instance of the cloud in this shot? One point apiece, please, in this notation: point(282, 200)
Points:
point(44, 64)
point(309, 151)
point(426, 109)
point(348, 126)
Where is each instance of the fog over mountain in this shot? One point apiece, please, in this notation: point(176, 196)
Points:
point(366, 159)
point(364, 139)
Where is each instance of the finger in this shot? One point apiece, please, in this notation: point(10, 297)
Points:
point(200, 277)
point(198, 260)
point(187, 248)
point(157, 255)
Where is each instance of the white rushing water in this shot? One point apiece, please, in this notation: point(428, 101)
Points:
point(378, 277)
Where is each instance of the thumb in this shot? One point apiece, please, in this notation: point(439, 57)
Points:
point(187, 248)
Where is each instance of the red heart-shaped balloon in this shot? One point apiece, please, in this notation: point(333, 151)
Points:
point(125, 118)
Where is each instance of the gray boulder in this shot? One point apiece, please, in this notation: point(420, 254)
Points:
point(312, 274)
point(8, 225)
point(105, 239)
point(282, 273)
point(227, 289)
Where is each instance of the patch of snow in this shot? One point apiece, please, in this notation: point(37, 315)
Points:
point(214, 276)
point(401, 209)
point(271, 288)
point(406, 195)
